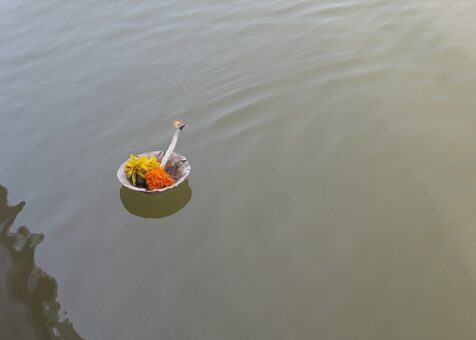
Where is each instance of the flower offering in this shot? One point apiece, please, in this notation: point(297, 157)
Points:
point(155, 171)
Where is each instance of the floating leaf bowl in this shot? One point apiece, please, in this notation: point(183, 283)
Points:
point(177, 167)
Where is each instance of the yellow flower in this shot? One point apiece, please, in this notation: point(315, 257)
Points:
point(138, 166)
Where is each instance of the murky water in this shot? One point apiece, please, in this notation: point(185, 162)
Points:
point(333, 154)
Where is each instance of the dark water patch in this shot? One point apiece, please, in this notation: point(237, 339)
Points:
point(29, 309)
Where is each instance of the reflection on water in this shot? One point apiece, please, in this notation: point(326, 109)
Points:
point(156, 206)
point(27, 294)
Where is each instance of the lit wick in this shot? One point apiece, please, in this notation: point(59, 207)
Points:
point(179, 126)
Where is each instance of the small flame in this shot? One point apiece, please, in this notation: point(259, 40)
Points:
point(179, 125)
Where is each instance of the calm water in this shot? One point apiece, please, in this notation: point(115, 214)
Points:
point(333, 154)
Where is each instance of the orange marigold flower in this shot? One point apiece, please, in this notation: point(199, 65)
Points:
point(157, 179)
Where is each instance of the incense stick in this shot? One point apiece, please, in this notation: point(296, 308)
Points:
point(173, 143)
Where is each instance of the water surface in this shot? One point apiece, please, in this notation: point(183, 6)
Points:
point(333, 159)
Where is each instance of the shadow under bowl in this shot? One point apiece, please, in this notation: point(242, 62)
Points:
point(156, 206)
